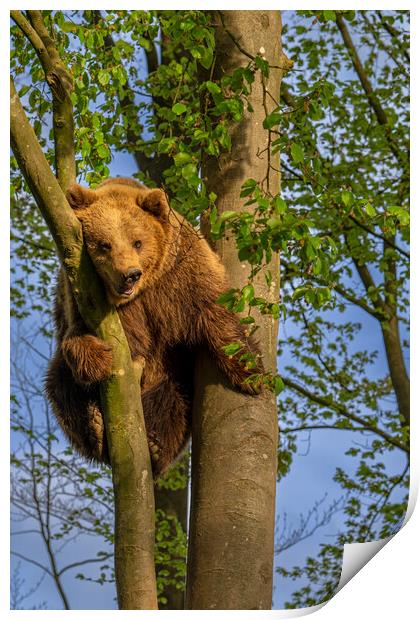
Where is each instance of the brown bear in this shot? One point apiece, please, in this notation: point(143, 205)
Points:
point(164, 279)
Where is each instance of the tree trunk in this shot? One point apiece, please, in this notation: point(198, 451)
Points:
point(396, 364)
point(234, 444)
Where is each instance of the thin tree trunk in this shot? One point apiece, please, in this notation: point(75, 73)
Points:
point(396, 365)
point(120, 395)
point(234, 449)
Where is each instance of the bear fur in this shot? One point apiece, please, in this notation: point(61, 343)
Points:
point(164, 280)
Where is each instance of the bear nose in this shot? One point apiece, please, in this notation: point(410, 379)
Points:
point(133, 275)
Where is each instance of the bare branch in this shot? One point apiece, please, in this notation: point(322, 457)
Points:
point(84, 562)
point(32, 561)
point(308, 524)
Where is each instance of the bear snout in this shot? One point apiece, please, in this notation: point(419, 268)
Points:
point(128, 280)
point(133, 275)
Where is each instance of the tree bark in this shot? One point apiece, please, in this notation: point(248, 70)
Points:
point(120, 394)
point(234, 444)
point(396, 365)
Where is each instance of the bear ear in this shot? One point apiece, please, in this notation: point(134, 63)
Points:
point(154, 202)
point(80, 197)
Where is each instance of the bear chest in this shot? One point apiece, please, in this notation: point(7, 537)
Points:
point(137, 329)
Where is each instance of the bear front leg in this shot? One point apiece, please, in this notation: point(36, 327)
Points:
point(219, 327)
point(88, 357)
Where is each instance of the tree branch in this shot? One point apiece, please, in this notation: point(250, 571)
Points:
point(84, 562)
point(354, 219)
point(396, 34)
point(316, 427)
point(381, 44)
point(341, 410)
point(391, 244)
point(33, 38)
point(60, 82)
point(386, 498)
point(374, 102)
point(377, 314)
point(32, 561)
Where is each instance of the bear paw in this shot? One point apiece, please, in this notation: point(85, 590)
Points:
point(89, 358)
point(253, 388)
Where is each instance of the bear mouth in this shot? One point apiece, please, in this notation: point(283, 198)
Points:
point(126, 291)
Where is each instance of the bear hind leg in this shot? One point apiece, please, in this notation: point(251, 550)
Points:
point(167, 418)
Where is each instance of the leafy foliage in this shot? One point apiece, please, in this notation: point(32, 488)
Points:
point(345, 161)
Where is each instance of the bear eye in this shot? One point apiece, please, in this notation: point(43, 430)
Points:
point(104, 246)
point(137, 244)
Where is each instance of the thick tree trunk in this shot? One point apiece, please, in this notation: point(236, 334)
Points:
point(234, 449)
point(120, 394)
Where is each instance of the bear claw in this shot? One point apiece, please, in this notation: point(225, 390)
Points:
point(155, 447)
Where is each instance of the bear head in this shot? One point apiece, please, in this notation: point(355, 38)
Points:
point(128, 232)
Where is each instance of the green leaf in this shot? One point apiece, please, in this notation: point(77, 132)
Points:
point(274, 222)
point(207, 59)
point(370, 210)
point(189, 171)
point(400, 213)
point(329, 15)
point(104, 77)
point(233, 348)
point(262, 65)
point(166, 144)
point(272, 120)
point(24, 90)
point(227, 215)
point(86, 148)
point(280, 205)
point(182, 158)
point(247, 320)
point(213, 88)
point(68, 27)
point(299, 292)
point(103, 151)
point(347, 198)
point(278, 385)
point(227, 296)
point(297, 153)
point(248, 293)
point(248, 187)
point(179, 108)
